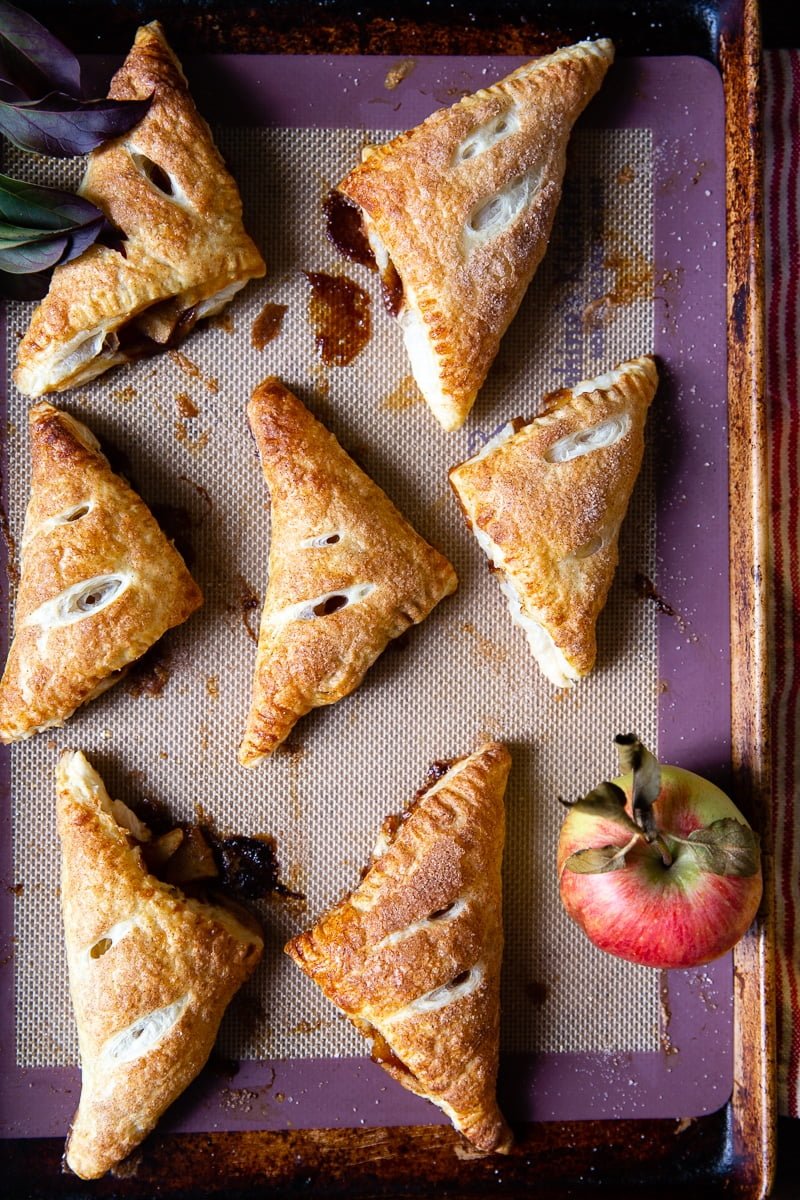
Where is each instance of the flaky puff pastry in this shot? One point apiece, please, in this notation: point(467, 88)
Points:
point(546, 502)
point(347, 573)
point(99, 584)
point(151, 973)
point(186, 253)
point(413, 955)
point(461, 208)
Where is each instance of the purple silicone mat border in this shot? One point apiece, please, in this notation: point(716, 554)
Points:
point(681, 101)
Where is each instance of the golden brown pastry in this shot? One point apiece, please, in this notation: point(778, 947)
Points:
point(459, 212)
point(546, 502)
point(151, 972)
point(165, 186)
point(100, 582)
point(413, 955)
point(346, 572)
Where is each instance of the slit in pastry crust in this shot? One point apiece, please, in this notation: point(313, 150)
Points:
point(186, 252)
point(347, 573)
point(460, 210)
point(413, 955)
point(99, 584)
point(546, 502)
point(151, 973)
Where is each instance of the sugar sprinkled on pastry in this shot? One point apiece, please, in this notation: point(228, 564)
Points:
point(458, 212)
point(546, 501)
point(347, 573)
point(186, 252)
point(413, 954)
point(100, 582)
point(151, 972)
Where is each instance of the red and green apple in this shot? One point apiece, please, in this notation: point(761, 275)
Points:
point(659, 866)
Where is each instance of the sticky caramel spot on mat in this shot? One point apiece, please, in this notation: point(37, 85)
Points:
point(339, 312)
point(267, 324)
point(626, 175)
point(12, 567)
point(212, 687)
point(149, 676)
point(186, 405)
point(224, 322)
point(124, 395)
point(404, 396)
point(634, 279)
point(396, 74)
point(486, 649)
point(246, 602)
point(192, 371)
point(194, 446)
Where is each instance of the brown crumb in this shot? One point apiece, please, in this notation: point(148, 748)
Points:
point(626, 175)
point(212, 687)
point(396, 74)
point(224, 322)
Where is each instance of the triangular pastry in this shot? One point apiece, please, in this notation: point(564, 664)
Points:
point(347, 573)
point(186, 252)
point(413, 955)
point(100, 582)
point(151, 972)
point(546, 502)
point(458, 212)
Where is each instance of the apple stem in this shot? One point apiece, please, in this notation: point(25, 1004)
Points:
point(663, 849)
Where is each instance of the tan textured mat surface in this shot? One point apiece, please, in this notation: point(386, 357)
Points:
point(465, 674)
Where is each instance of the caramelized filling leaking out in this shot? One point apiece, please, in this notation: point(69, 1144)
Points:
point(383, 1054)
point(345, 230)
point(392, 289)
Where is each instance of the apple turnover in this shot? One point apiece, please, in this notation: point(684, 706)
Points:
point(347, 573)
point(546, 502)
point(458, 213)
point(100, 582)
point(185, 254)
point(151, 971)
point(413, 955)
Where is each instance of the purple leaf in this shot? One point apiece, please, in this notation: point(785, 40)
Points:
point(61, 126)
point(31, 59)
point(42, 207)
point(33, 256)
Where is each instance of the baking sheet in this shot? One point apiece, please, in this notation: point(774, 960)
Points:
point(584, 1035)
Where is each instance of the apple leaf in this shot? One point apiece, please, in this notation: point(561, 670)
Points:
point(726, 847)
point(606, 801)
point(597, 860)
point(635, 757)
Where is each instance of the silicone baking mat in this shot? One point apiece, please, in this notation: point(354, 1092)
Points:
point(635, 264)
